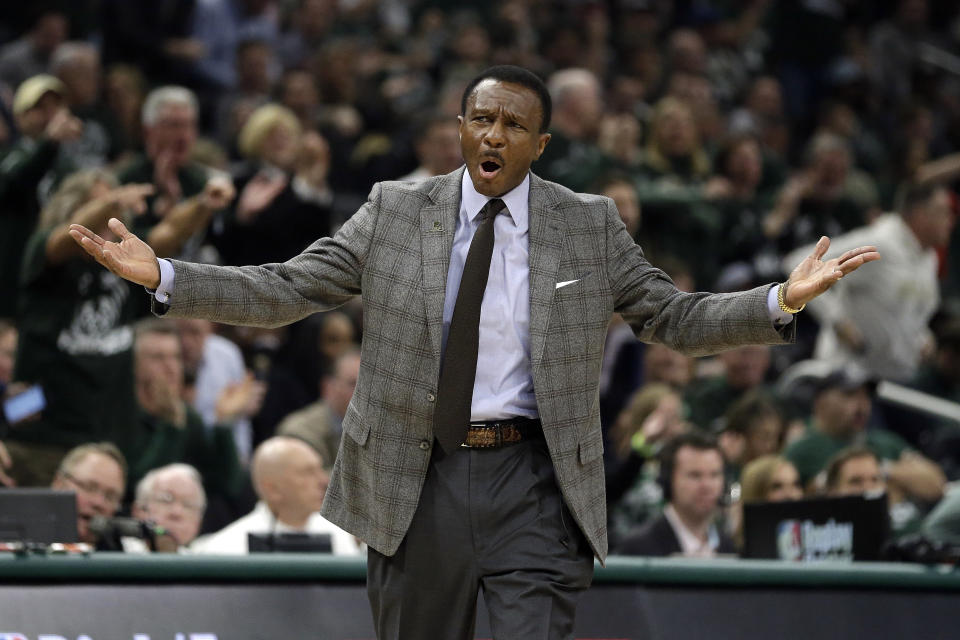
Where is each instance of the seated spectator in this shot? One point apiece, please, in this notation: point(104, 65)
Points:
point(126, 90)
point(744, 369)
point(168, 429)
point(674, 154)
point(770, 478)
point(663, 364)
point(217, 379)
point(321, 424)
point(171, 497)
point(654, 415)
point(762, 114)
point(29, 55)
point(853, 472)
point(96, 472)
point(677, 189)
point(77, 66)
point(822, 199)
point(437, 146)
point(752, 427)
point(857, 471)
point(841, 409)
point(742, 205)
point(691, 475)
point(573, 158)
point(288, 477)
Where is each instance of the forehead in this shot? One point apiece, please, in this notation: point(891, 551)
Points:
point(860, 464)
point(159, 341)
point(691, 457)
point(515, 99)
point(96, 465)
point(175, 111)
point(176, 483)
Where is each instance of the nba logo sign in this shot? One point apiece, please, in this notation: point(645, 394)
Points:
point(790, 540)
point(12, 636)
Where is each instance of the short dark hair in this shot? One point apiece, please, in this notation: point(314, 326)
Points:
point(514, 75)
point(668, 456)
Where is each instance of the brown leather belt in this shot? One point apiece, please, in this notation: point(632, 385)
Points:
point(497, 433)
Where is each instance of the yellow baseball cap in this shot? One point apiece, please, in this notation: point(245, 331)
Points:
point(32, 89)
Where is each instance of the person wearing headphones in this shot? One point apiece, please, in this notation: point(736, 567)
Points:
point(691, 475)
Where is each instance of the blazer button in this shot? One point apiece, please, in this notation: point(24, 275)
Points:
point(431, 397)
point(425, 445)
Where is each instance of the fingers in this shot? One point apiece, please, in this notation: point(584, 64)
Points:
point(821, 249)
point(120, 229)
point(78, 231)
point(89, 241)
point(855, 258)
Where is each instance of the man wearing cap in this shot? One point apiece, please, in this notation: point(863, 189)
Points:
point(32, 165)
point(841, 410)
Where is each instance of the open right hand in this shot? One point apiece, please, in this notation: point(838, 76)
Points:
point(131, 258)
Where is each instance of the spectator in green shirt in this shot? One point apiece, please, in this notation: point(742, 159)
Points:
point(841, 410)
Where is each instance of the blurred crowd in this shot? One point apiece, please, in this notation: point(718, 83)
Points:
point(731, 134)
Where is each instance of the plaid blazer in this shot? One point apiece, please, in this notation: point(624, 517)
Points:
point(395, 250)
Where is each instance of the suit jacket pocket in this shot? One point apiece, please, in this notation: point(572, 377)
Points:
point(591, 447)
point(355, 426)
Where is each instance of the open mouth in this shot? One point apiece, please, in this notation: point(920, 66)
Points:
point(489, 168)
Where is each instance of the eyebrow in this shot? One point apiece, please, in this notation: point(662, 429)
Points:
point(509, 115)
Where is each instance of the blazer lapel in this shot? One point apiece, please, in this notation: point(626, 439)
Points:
point(438, 222)
point(546, 242)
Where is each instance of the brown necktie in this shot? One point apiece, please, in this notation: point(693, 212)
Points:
point(459, 369)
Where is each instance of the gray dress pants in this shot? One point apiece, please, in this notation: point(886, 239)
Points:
point(489, 519)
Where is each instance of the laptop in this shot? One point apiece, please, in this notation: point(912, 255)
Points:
point(818, 529)
point(291, 542)
point(38, 515)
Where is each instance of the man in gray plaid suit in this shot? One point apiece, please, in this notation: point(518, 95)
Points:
point(518, 509)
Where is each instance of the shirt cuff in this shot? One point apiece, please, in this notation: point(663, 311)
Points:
point(167, 276)
point(778, 315)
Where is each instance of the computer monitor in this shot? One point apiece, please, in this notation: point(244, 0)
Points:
point(38, 515)
point(293, 542)
point(842, 528)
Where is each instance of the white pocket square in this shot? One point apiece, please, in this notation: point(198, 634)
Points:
point(561, 285)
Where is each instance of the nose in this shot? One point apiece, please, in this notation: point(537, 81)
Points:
point(494, 137)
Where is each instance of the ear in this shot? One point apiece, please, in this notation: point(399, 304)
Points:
point(542, 144)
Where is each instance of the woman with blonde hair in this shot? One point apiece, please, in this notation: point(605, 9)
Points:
point(770, 479)
point(285, 201)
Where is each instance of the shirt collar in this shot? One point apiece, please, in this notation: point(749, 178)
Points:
point(517, 201)
point(689, 542)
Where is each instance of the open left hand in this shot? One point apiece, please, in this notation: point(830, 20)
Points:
point(131, 258)
point(813, 276)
